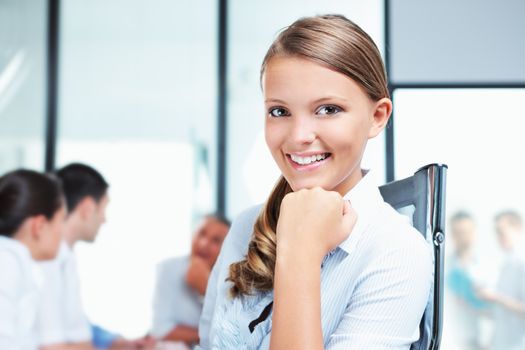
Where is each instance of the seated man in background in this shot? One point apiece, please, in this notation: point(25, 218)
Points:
point(181, 284)
point(62, 323)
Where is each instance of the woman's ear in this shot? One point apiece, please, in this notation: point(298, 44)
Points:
point(381, 114)
point(37, 224)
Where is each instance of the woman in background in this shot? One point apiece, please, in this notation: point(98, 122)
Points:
point(31, 215)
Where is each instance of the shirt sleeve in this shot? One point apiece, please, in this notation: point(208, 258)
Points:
point(388, 303)
point(49, 319)
point(209, 305)
point(78, 327)
point(61, 316)
point(163, 318)
point(102, 338)
point(233, 249)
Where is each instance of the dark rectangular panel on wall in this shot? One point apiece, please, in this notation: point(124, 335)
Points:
point(466, 42)
point(52, 82)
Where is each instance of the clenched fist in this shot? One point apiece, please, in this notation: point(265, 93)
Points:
point(312, 222)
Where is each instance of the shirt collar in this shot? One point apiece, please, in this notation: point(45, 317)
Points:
point(365, 199)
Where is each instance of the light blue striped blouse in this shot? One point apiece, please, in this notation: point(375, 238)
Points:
point(374, 286)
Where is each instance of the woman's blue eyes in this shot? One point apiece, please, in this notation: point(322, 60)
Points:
point(326, 110)
point(323, 110)
point(278, 112)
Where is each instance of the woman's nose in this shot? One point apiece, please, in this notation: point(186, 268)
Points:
point(303, 130)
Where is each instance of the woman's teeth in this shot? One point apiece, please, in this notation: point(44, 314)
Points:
point(308, 160)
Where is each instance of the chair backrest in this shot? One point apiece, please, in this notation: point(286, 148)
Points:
point(422, 198)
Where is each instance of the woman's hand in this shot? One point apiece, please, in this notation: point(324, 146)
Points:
point(312, 222)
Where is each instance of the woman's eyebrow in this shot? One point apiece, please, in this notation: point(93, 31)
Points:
point(322, 99)
point(331, 97)
point(274, 100)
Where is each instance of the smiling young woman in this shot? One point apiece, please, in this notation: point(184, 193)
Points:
point(325, 263)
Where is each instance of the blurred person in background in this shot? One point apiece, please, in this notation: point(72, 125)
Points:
point(181, 284)
point(508, 298)
point(62, 322)
point(464, 307)
point(32, 212)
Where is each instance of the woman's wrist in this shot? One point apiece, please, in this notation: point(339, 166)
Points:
point(299, 254)
point(297, 310)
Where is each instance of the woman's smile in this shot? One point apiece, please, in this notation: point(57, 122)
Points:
point(308, 161)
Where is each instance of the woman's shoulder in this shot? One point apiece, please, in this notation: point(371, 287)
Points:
point(247, 217)
point(395, 233)
point(12, 269)
point(236, 242)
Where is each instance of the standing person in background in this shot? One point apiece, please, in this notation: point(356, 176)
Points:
point(62, 322)
point(464, 307)
point(508, 299)
point(32, 212)
point(181, 284)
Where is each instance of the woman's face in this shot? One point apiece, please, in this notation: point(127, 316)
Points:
point(317, 123)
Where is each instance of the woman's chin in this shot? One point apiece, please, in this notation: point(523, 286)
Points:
point(306, 185)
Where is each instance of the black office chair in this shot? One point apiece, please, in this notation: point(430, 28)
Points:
point(422, 198)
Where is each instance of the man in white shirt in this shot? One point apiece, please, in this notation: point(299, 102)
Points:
point(62, 322)
point(181, 284)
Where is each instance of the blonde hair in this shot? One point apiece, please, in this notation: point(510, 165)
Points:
point(339, 44)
